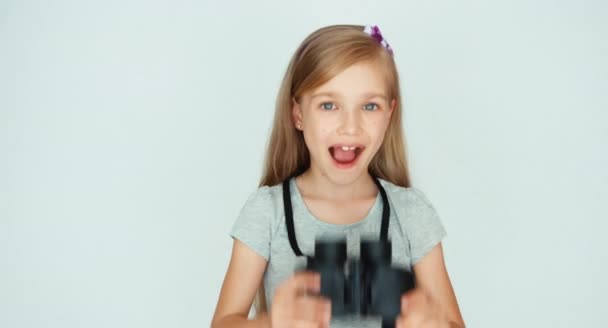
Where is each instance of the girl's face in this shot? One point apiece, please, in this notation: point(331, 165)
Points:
point(344, 121)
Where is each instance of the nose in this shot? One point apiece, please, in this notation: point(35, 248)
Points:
point(350, 122)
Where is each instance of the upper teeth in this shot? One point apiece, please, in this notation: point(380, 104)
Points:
point(345, 148)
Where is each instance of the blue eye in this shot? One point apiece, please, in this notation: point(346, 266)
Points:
point(371, 106)
point(327, 105)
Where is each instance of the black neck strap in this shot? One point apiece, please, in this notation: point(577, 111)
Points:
point(291, 230)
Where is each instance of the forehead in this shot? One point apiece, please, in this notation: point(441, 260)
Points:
point(359, 80)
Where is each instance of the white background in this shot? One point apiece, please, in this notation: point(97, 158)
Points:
point(132, 132)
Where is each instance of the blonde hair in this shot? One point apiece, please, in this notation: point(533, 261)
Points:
point(321, 56)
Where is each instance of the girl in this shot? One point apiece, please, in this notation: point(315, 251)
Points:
point(336, 134)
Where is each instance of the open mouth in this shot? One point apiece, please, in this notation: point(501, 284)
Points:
point(345, 155)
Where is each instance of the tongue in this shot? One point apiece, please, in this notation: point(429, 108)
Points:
point(343, 156)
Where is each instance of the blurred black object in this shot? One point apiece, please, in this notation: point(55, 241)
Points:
point(368, 286)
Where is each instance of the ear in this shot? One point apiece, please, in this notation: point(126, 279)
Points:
point(393, 105)
point(296, 112)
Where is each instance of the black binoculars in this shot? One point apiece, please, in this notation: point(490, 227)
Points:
point(368, 286)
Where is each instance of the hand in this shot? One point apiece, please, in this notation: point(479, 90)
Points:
point(292, 307)
point(419, 310)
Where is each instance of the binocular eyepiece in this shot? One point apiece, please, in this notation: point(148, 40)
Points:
point(368, 286)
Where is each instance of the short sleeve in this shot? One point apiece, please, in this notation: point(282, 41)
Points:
point(424, 226)
point(253, 224)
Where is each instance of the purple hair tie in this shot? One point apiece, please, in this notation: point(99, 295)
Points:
point(374, 32)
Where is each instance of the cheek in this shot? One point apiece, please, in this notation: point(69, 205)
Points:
point(377, 126)
point(320, 129)
point(316, 136)
point(376, 130)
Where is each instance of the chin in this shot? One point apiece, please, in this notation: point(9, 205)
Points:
point(345, 176)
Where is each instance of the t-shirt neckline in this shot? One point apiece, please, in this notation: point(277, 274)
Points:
point(299, 201)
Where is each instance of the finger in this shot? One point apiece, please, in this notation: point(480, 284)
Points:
point(410, 320)
point(305, 324)
point(399, 322)
point(402, 322)
point(302, 282)
point(412, 300)
point(314, 309)
point(310, 323)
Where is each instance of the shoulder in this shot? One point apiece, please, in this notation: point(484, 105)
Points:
point(417, 217)
point(408, 198)
point(264, 206)
point(264, 197)
point(258, 219)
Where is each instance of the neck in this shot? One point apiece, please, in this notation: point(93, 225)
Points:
point(316, 185)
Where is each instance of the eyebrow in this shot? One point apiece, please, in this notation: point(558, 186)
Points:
point(367, 95)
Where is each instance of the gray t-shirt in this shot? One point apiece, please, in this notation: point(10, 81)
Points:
point(414, 229)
